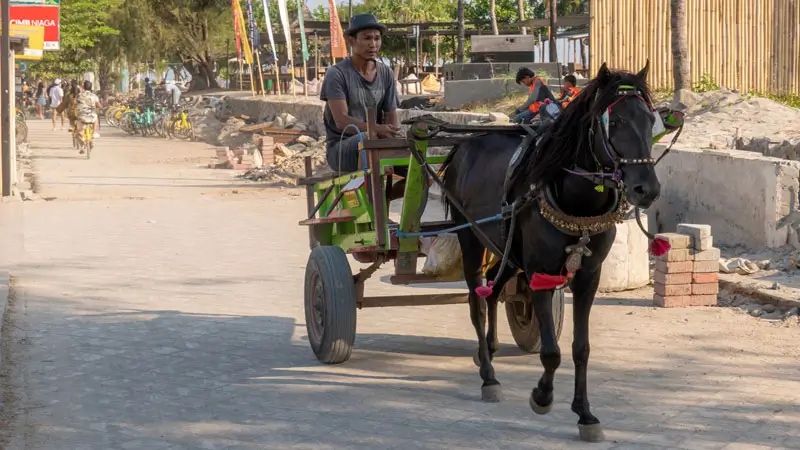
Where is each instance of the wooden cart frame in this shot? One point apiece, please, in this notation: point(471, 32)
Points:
point(343, 219)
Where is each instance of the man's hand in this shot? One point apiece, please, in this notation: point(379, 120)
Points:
point(387, 131)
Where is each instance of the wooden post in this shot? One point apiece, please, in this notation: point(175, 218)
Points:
point(317, 59)
point(277, 76)
point(436, 61)
point(260, 75)
point(252, 80)
point(291, 70)
point(241, 74)
point(553, 26)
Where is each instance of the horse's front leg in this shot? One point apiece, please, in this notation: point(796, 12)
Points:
point(584, 288)
point(541, 400)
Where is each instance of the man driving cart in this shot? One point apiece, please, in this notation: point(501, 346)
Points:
point(353, 85)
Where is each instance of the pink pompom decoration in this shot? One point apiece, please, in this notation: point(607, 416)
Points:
point(659, 246)
point(484, 291)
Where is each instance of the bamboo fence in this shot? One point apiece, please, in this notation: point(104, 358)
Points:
point(749, 45)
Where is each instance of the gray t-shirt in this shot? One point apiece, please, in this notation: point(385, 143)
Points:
point(343, 81)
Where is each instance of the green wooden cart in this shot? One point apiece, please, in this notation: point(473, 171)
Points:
point(348, 214)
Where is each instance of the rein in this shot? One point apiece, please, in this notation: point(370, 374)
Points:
point(584, 227)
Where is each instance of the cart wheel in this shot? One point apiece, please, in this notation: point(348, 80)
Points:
point(330, 303)
point(522, 322)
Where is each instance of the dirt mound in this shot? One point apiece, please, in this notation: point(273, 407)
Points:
point(724, 119)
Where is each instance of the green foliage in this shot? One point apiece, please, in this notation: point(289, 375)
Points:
point(505, 10)
point(792, 100)
point(84, 24)
point(705, 84)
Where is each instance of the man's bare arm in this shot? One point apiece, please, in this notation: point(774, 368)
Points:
point(392, 119)
point(339, 111)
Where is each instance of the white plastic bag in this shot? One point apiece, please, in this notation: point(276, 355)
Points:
point(443, 254)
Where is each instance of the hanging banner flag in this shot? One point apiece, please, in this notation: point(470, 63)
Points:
point(302, 30)
point(236, 28)
point(265, 3)
point(253, 29)
point(248, 53)
point(283, 12)
point(338, 45)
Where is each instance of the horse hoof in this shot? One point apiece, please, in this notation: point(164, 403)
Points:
point(492, 393)
point(591, 433)
point(540, 410)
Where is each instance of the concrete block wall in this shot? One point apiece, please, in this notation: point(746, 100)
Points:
point(309, 110)
point(742, 195)
point(460, 93)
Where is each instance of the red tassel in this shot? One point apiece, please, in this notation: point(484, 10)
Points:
point(659, 246)
point(484, 291)
point(545, 282)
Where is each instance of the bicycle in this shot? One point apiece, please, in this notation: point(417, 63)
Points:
point(179, 124)
point(83, 137)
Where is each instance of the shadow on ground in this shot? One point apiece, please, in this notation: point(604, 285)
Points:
point(143, 378)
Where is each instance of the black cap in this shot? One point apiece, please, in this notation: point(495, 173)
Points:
point(361, 22)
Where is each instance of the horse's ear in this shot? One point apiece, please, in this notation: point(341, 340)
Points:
point(603, 75)
point(643, 73)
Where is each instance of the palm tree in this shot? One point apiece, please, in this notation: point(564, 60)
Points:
point(460, 18)
point(680, 49)
point(493, 16)
point(521, 12)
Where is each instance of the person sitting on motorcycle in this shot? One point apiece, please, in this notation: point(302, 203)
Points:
point(569, 91)
point(88, 103)
point(536, 96)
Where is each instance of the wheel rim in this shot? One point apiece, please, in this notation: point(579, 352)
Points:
point(317, 308)
point(522, 319)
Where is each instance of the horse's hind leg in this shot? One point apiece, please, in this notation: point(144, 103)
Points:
point(541, 400)
point(472, 252)
point(584, 287)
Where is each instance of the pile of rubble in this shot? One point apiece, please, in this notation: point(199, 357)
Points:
point(725, 119)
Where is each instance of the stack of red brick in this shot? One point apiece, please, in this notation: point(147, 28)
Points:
point(688, 274)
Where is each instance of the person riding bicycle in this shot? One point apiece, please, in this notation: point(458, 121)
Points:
point(87, 104)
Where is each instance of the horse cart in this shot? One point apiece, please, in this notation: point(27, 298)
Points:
point(348, 214)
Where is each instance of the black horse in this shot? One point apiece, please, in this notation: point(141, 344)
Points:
point(561, 204)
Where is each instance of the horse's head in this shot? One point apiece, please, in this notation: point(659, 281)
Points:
point(623, 122)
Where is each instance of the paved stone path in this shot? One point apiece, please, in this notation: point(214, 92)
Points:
point(155, 308)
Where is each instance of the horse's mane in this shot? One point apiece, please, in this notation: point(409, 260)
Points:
point(561, 145)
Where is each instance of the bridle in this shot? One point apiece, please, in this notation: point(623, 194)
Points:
point(611, 177)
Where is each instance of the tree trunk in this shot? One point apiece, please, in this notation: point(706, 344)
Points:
point(493, 16)
point(553, 22)
point(203, 76)
point(103, 70)
point(521, 11)
point(681, 74)
point(460, 46)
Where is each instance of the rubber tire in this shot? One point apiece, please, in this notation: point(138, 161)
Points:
point(330, 264)
point(528, 337)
